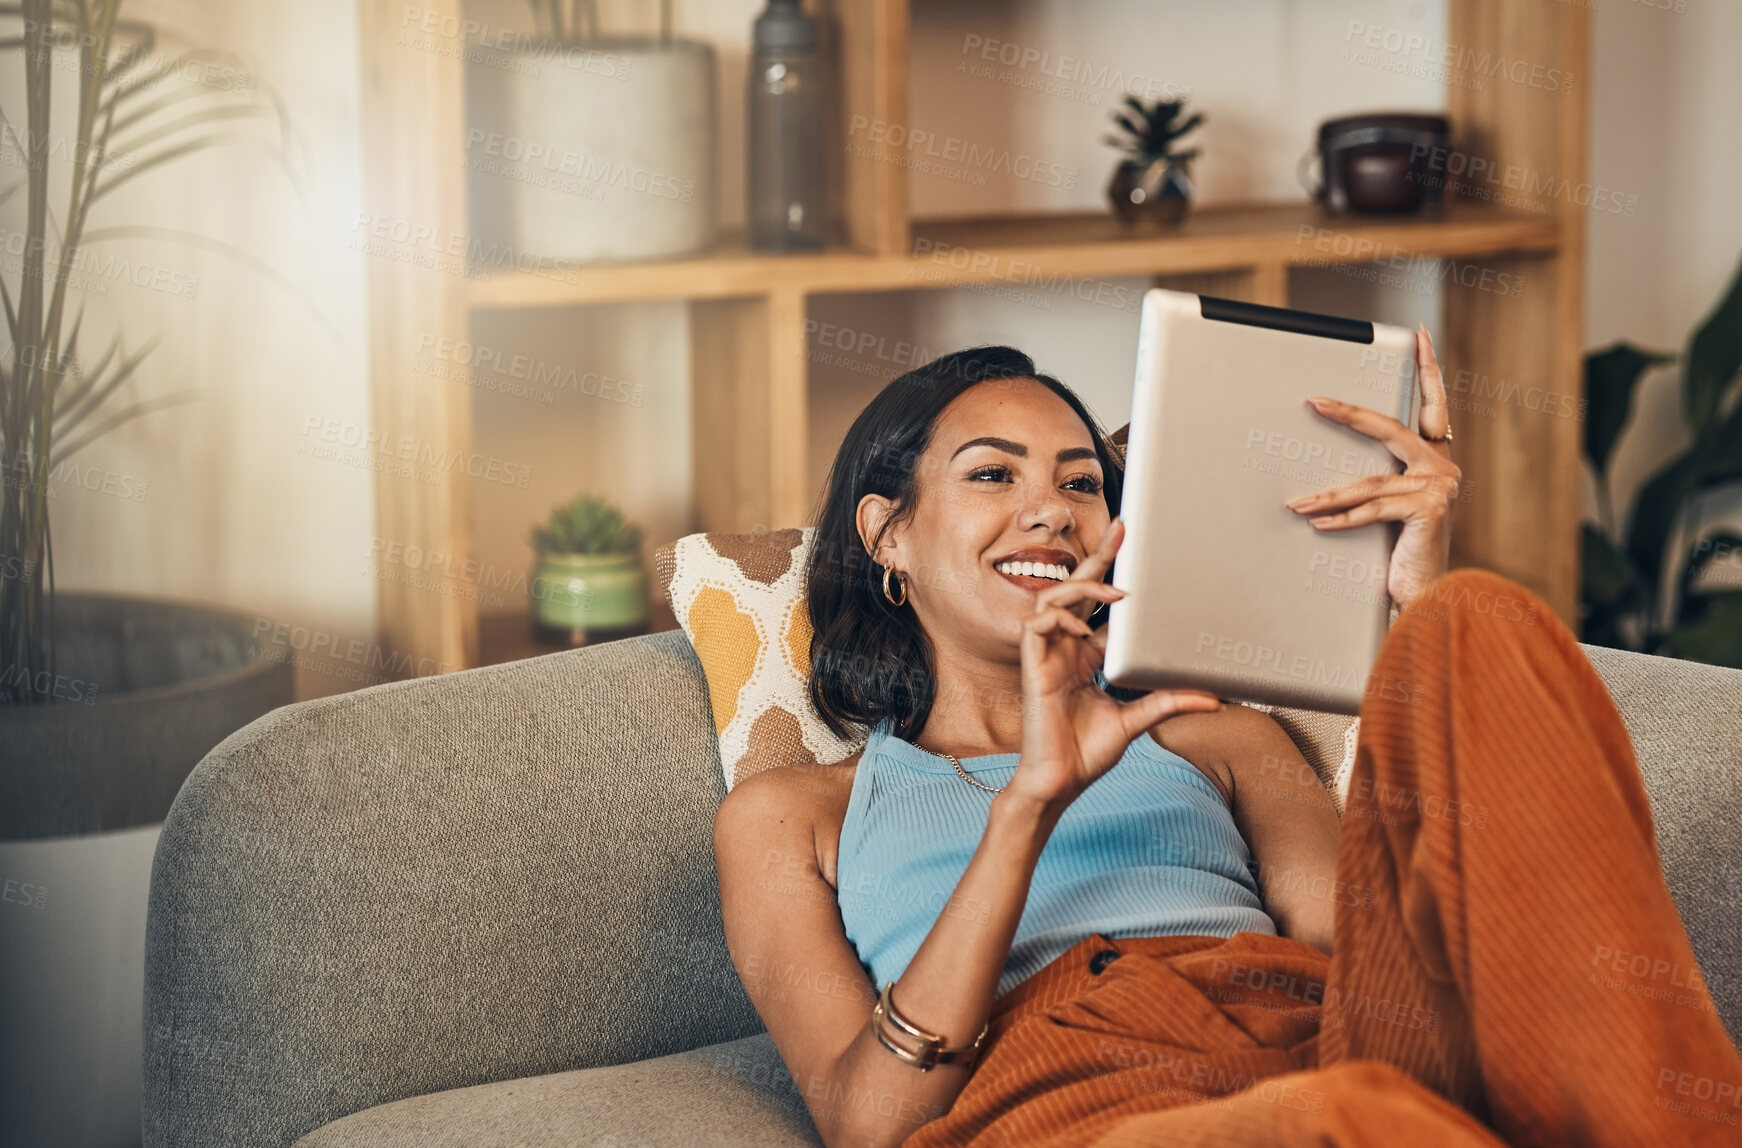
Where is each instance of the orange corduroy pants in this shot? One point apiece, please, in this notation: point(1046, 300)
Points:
point(1509, 967)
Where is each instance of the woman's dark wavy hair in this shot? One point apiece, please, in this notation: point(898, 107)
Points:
point(871, 660)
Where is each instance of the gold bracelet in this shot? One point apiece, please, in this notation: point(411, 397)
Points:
point(931, 1051)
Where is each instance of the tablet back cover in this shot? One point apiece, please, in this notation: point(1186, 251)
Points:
point(1229, 590)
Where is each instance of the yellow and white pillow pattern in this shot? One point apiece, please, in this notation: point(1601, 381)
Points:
point(740, 598)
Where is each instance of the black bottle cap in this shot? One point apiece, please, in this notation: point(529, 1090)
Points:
point(783, 27)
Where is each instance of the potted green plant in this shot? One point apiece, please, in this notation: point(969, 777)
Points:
point(1152, 183)
point(1644, 588)
point(106, 701)
point(590, 583)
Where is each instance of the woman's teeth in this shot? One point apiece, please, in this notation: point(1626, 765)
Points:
point(1033, 570)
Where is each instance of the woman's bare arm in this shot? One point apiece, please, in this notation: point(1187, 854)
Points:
point(1281, 808)
point(783, 926)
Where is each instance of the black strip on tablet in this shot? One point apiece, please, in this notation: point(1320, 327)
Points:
point(1285, 319)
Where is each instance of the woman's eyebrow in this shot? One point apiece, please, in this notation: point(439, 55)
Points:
point(1069, 454)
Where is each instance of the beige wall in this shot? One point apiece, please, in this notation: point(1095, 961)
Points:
point(1664, 127)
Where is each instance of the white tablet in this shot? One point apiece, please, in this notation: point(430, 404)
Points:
point(1229, 590)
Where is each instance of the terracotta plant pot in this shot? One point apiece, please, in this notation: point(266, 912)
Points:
point(1155, 193)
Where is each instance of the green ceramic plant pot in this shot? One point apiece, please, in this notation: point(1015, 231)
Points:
point(590, 591)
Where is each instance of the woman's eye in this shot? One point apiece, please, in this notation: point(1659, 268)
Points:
point(1083, 483)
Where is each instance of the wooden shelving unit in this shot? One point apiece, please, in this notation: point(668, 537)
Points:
point(747, 310)
point(1019, 249)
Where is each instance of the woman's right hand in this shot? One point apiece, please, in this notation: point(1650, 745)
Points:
point(1072, 730)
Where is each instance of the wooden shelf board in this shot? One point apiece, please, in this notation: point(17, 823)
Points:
point(506, 635)
point(1019, 249)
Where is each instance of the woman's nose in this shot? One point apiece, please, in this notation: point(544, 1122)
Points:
point(1042, 504)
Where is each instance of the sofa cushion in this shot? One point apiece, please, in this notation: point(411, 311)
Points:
point(726, 1095)
point(740, 600)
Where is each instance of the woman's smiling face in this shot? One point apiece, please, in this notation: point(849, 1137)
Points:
point(1010, 476)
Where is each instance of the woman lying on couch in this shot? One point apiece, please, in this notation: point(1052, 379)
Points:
point(1150, 927)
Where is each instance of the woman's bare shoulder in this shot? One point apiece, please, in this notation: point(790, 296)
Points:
point(1210, 741)
point(787, 808)
point(797, 787)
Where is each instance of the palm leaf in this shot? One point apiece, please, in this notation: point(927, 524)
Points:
point(90, 377)
point(63, 451)
point(200, 118)
point(157, 159)
point(65, 423)
point(259, 266)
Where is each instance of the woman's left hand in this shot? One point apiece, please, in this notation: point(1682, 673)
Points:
point(1421, 497)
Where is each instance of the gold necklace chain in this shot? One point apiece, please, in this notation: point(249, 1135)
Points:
point(960, 770)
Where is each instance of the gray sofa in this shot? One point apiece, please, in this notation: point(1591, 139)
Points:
point(480, 910)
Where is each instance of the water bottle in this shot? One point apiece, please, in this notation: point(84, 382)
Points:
point(786, 208)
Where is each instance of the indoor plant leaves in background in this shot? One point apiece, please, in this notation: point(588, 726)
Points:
point(1151, 183)
point(1640, 587)
point(53, 401)
point(145, 687)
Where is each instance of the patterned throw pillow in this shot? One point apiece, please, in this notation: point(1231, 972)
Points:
point(740, 599)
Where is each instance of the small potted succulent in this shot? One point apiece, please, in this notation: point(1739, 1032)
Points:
point(1152, 184)
point(590, 584)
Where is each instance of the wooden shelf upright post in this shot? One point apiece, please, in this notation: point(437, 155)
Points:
point(750, 415)
point(1515, 364)
point(413, 122)
point(748, 368)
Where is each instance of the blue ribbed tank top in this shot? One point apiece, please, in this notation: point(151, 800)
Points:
point(1150, 849)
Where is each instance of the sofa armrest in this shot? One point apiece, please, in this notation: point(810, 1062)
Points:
point(1685, 721)
point(430, 884)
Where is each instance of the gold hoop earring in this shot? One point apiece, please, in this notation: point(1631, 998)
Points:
point(893, 601)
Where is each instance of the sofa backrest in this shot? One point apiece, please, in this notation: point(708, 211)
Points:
point(430, 884)
point(509, 871)
point(1685, 720)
